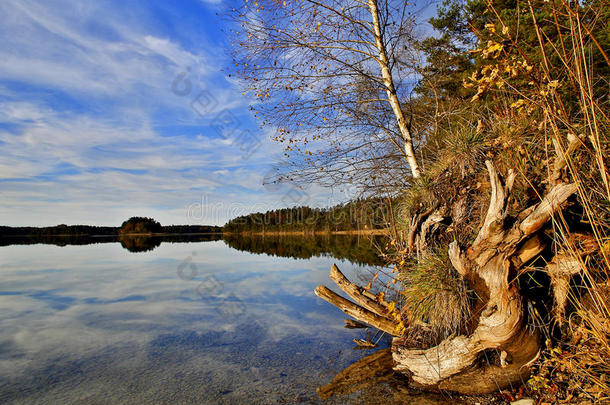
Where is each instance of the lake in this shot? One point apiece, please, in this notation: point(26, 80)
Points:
point(182, 323)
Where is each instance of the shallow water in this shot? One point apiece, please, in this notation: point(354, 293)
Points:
point(184, 323)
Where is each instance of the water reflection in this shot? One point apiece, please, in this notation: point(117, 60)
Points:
point(136, 244)
point(133, 243)
point(99, 324)
point(356, 249)
point(360, 250)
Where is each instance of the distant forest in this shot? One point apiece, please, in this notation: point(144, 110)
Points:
point(137, 234)
point(85, 234)
point(359, 214)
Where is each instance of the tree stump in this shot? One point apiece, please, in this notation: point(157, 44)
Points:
point(489, 265)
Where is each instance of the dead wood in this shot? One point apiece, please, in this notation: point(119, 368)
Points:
point(461, 363)
point(356, 311)
point(486, 264)
point(361, 296)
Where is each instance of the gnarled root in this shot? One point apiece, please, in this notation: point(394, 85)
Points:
point(456, 364)
point(499, 347)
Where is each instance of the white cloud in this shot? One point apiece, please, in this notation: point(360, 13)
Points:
point(91, 131)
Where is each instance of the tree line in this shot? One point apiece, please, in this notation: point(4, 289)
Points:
point(357, 215)
point(132, 225)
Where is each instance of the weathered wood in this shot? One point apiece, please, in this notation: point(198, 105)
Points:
point(414, 226)
point(457, 258)
point(561, 161)
point(512, 371)
point(358, 294)
point(547, 207)
point(561, 270)
point(429, 226)
point(356, 311)
point(500, 327)
point(363, 343)
point(501, 324)
point(365, 372)
point(530, 249)
point(496, 213)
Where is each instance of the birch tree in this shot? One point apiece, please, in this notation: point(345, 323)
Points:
point(332, 77)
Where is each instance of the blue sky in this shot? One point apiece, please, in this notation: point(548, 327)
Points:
point(110, 109)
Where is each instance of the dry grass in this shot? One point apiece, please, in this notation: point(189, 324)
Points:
point(435, 295)
point(575, 367)
point(567, 99)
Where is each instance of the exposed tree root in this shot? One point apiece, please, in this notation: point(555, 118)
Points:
point(463, 363)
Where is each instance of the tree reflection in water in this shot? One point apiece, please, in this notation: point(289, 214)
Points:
point(360, 250)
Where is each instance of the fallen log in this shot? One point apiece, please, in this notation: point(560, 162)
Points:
point(358, 294)
point(356, 311)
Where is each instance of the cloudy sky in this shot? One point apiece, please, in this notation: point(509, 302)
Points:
point(110, 109)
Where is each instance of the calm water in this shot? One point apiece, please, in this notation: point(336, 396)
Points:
point(183, 323)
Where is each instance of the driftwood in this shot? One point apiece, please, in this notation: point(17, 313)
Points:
point(489, 265)
point(414, 226)
point(361, 296)
point(564, 266)
point(563, 155)
point(367, 308)
point(561, 270)
point(356, 311)
point(364, 344)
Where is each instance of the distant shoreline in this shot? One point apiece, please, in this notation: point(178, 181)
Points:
point(384, 231)
point(34, 235)
point(243, 233)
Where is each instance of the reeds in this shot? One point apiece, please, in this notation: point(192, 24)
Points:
point(550, 123)
point(568, 101)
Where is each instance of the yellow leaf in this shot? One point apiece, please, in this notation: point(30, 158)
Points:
point(518, 104)
point(493, 50)
point(468, 85)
